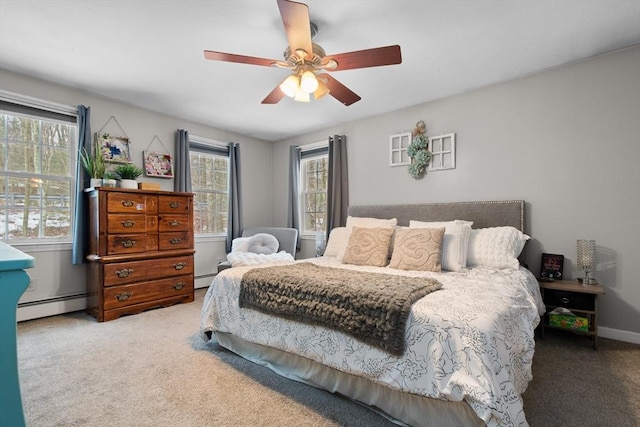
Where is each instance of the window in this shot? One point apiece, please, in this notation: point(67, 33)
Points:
point(210, 185)
point(37, 172)
point(314, 177)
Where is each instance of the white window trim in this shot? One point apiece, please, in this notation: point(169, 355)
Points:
point(210, 237)
point(43, 244)
point(305, 235)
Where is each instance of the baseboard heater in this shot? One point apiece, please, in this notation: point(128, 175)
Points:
point(53, 299)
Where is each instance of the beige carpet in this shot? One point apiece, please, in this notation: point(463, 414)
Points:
point(153, 369)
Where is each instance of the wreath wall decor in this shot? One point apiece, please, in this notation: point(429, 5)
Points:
point(419, 152)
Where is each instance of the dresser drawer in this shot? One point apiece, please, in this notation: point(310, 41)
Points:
point(569, 300)
point(126, 223)
point(169, 241)
point(126, 295)
point(168, 222)
point(125, 202)
point(174, 204)
point(126, 244)
point(134, 271)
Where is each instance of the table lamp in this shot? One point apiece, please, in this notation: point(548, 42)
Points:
point(586, 259)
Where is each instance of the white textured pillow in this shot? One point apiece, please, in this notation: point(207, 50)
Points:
point(363, 222)
point(497, 247)
point(240, 244)
point(263, 243)
point(337, 241)
point(455, 243)
point(241, 259)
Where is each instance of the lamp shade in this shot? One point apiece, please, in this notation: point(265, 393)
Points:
point(289, 86)
point(308, 82)
point(586, 251)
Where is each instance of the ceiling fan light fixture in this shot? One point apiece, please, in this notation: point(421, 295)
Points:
point(289, 86)
point(308, 82)
point(321, 91)
point(301, 96)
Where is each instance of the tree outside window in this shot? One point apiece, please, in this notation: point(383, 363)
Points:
point(314, 176)
point(210, 185)
point(36, 178)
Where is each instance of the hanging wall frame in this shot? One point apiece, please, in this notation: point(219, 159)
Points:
point(114, 149)
point(157, 164)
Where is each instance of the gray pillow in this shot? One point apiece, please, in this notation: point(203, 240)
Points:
point(263, 243)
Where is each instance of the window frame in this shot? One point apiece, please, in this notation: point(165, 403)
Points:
point(215, 149)
point(308, 153)
point(42, 110)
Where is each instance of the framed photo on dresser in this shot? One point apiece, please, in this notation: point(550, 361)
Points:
point(551, 266)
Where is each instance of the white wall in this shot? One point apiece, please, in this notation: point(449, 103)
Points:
point(567, 141)
point(53, 275)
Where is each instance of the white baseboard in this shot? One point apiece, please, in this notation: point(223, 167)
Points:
point(53, 308)
point(620, 335)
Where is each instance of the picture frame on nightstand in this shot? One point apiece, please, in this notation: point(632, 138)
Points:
point(551, 266)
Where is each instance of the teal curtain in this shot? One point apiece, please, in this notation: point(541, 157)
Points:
point(79, 238)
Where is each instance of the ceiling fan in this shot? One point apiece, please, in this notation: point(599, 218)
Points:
point(309, 62)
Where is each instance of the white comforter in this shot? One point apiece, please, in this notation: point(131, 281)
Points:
point(472, 340)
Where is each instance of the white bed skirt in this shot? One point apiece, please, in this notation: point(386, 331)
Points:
point(401, 408)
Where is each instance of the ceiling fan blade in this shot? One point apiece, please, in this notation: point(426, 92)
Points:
point(241, 59)
point(339, 91)
point(274, 97)
point(376, 57)
point(295, 17)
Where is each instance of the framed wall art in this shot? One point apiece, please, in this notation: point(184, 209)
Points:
point(115, 149)
point(443, 152)
point(398, 149)
point(158, 165)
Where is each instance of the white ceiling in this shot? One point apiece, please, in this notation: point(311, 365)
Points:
point(150, 53)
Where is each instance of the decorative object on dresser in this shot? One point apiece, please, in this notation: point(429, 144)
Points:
point(571, 306)
point(551, 266)
point(141, 251)
point(586, 260)
point(128, 173)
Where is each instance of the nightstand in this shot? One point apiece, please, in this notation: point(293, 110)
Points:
point(580, 299)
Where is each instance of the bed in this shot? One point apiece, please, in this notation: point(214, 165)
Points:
point(467, 348)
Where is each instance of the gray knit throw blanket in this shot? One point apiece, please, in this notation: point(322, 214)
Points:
point(371, 307)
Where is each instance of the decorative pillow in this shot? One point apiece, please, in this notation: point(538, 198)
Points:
point(240, 244)
point(497, 247)
point(337, 241)
point(263, 243)
point(455, 243)
point(368, 246)
point(364, 222)
point(417, 249)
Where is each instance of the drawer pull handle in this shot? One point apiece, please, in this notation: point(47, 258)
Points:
point(128, 243)
point(128, 223)
point(124, 273)
point(127, 203)
point(565, 300)
point(178, 286)
point(174, 205)
point(179, 265)
point(123, 296)
point(174, 223)
point(174, 241)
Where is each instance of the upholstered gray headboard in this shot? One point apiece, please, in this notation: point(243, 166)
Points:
point(483, 214)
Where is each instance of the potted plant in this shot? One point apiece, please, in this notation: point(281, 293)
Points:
point(95, 166)
point(128, 173)
point(109, 179)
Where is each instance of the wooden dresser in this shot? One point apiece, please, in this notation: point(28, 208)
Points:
point(140, 251)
